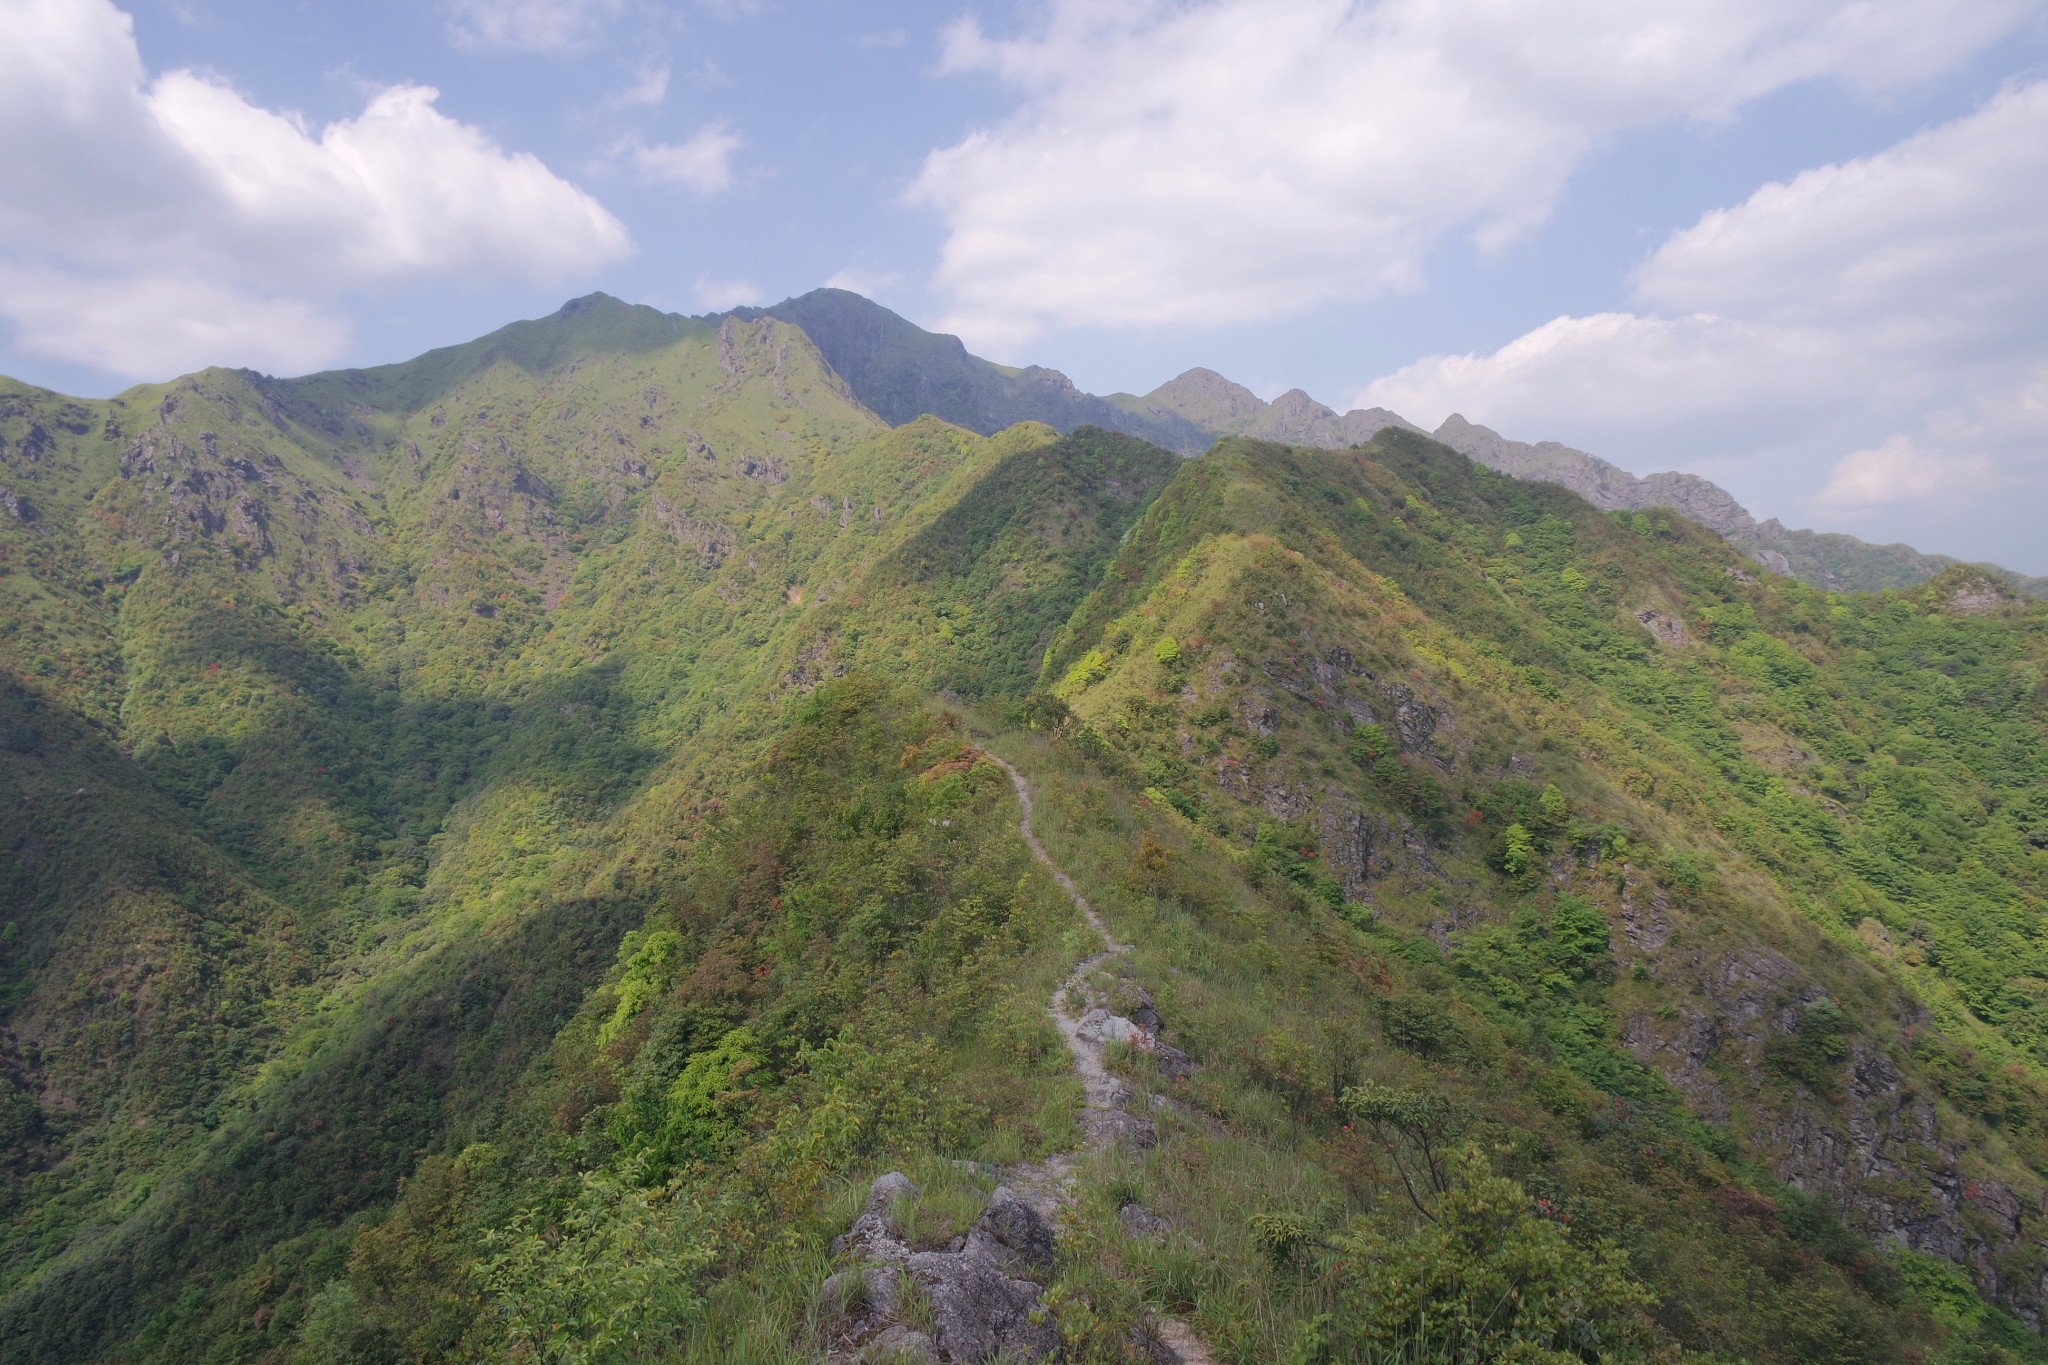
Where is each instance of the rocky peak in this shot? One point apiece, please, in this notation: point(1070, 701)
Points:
point(1207, 399)
point(1606, 486)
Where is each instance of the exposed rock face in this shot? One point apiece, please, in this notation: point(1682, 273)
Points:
point(984, 1305)
point(871, 1235)
point(1872, 1143)
point(981, 1312)
point(1978, 596)
point(1012, 1234)
point(1668, 630)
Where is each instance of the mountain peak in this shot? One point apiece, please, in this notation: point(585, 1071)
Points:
point(1296, 405)
point(1223, 408)
point(585, 303)
point(1207, 399)
point(902, 372)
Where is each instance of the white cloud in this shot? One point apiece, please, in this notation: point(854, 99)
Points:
point(179, 189)
point(157, 325)
point(718, 295)
point(1197, 164)
point(1618, 369)
point(529, 25)
point(1900, 470)
point(1941, 235)
point(647, 90)
point(402, 188)
point(1894, 306)
point(871, 283)
point(701, 163)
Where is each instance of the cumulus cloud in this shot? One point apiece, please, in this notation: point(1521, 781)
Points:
point(234, 230)
point(715, 295)
point(1177, 164)
point(1946, 227)
point(1623, 370)
point(155, 325)
point(1900, 470)
point(529, 25)
point(701, 163)
point(1891, 305)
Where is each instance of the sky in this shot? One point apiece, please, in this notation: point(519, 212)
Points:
point(1797, 246)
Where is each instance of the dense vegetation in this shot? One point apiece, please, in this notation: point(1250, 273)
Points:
point(500, 852)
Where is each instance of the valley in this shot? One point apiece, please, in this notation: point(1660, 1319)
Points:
point(503, 851)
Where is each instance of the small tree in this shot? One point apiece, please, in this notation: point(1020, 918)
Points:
point(1417, 1127)
point(1519, 857)
point(1556, 811)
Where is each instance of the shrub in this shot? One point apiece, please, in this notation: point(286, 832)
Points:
point(1492, 1278)
point(1519, 857)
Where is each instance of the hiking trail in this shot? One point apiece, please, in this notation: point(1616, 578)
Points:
point(984, 1291)
point(1087, 1026)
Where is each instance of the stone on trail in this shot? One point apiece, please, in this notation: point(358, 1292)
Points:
point(1115, 1128)
point(1012, 1234)
point(901, 1345)
point(981, 1312)
point(870, 1234)
point(1100, 1026)
point(1142, 1223)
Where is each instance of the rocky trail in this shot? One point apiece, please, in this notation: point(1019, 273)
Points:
point(982, 1295)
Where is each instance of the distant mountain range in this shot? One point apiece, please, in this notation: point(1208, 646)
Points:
point(901, 371)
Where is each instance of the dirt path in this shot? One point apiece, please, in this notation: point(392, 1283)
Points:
point(1106, 1117)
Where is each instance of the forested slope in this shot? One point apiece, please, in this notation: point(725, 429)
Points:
point(499, 854)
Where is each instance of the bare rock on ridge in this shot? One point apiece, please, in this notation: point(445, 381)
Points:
point(983, 1303)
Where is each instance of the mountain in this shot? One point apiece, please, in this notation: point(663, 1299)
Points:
point(1221, 408)
point(903, 372)
point(1839, 563)
point(518, 855)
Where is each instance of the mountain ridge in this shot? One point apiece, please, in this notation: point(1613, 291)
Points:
point(498, 854)
point(902, 370)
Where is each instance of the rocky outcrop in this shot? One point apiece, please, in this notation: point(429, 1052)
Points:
point(980, 1299)
point(1870, 1139)
point(980, 1296)
point(1664, 627)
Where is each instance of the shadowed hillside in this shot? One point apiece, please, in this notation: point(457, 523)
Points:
point(505, 849)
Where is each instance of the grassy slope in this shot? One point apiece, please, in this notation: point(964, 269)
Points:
point(437, 655)
point(327, 720)
point(1287, 994)
point(1382, 657)
point(450, 675)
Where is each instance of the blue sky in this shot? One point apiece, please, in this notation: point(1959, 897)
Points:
point(1800, 247)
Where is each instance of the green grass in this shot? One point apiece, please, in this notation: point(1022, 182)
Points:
point(530, 875)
